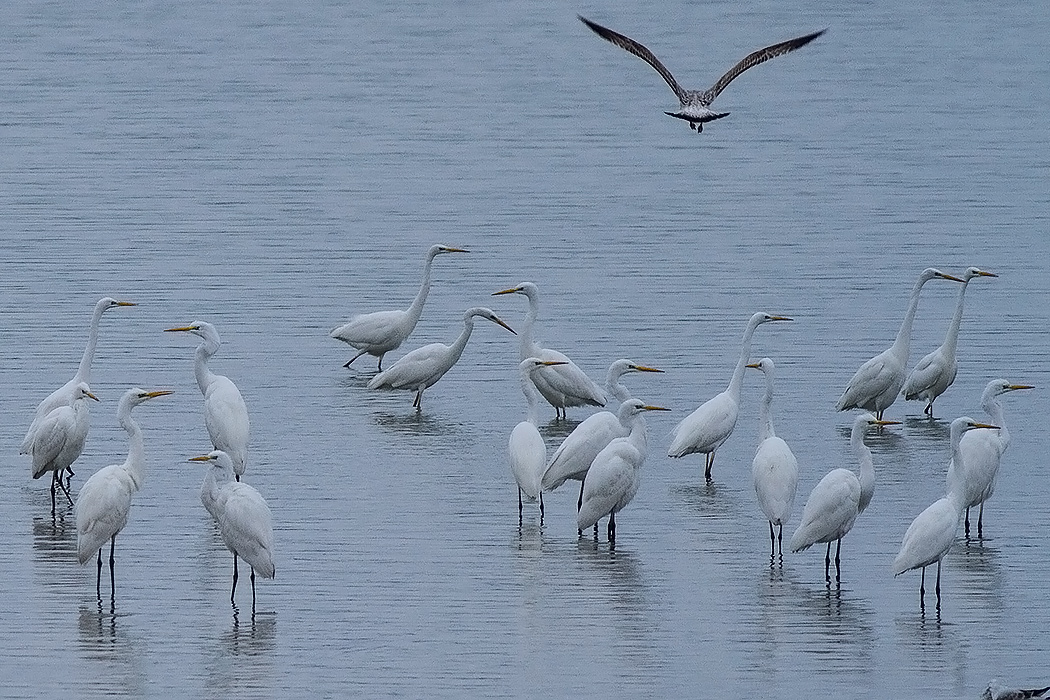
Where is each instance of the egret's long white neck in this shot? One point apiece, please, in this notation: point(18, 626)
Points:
point(765, 410)
point(639, 432)
point(951, 338)
point(416, 309)
point(532, 396)
point(867, 466)
point(902, 345)
point(84, 371)
point(135, 464)
point(737, 381)
point(528, 346)
point(456, 349)
point(207, 348)
point(613, 385)
point(994, 408)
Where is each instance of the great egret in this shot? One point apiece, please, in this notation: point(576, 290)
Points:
point(837, 500)
point(526, 448)
point(573, 457)
point(105, 499)
point(242, 516)
point(983, 450)
point(225, 415)
point(774, 470)
point(423, 367)
point(380, 332)
point(696, 104)
point(704, 430)
point(565, 385)
point(59, 439)
point(997, 691)
point(878, 381)
point(930, 535)
point(936, 372)
point(613, 479)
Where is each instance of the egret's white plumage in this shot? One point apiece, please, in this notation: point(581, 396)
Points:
point(876, 384)
point(564, 385)
point(704, 430)
point(774, 470)
point(983, 450)
point(423, 367)
point(225, 414)
point(59, 439)
point(997, 691)
point(526, 449)
point(104, 501)
point(836, 501)
point(242, 515)
point(936, 372)
point(613, 479)
point(930, 535)
point(380, 332)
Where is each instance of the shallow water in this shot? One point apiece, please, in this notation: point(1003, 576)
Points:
point(274, 168)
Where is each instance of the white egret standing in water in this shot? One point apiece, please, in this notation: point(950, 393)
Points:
point(565, 385)
point(930, 535)
point(242, 515)
point(225, 415)
point(380, 332)
point(526, 448)
point(876, 384)
point(59, 439)
point(983, 451)
point(936, 372)
point(997, 691)
point(104, 501)
point(837, 500)
point(704, 430)
point(423, 367)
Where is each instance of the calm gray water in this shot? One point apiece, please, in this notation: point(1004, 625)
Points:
point(274, 167)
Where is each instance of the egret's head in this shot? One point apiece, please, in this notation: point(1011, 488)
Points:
point(107, 303)
point(202, 329)
point(972, 272)
point(765, 364)
point(135, 396)
point(534, 363)
point(527, 288)
point(998, 387)
point(633, 407)
point(440, 249)
point(83, 391)
point(489, 314)
point(931, 272)
point(868, 420)
point(216, 458)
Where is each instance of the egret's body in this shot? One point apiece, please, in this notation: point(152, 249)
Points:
point(696, 104)
point(975, 476)
point(774, 470)
point(930, 535)
point(242, 515)
point(62, 395)
point(59, 439)
point(877, 383)
point(225, 414)
point(423, 367)
point(104, 501)
point(613, 479)
point(382, 331)
point(704, 430)
point(526, 449)
point(836, 501)
point(936, 372)
point(564, 385)
point(997, 691)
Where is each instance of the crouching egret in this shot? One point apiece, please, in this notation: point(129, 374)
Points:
point(930, 535)
point(380, 332)
point(983, 451)
point(526, 448)
point(613, 479)
point(837, 500)
point(225, 415)
point(565, 385)
point(704, 430)
point(59, 439)
point(242, 516)
point(876, 384)
point(997, 691)
point(936, 372)
point(423, 367)
point(104, 501)
point(774, 469)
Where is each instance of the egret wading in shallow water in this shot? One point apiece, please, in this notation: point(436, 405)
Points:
point(242, 516)
point(59, 439)
point(982, 450)
point(936, 372)
point(380, 332)
point(837, 500)
point(104, 501)
point(930, 535)
point(423, 367)
point(997, 691)
point(526, 448)
point(878, 381)
point(225, 415)
point(696, 104)
point(613, 479)
point(774, 469)
point(564, 385)
point(573, 457)
point(704, 430)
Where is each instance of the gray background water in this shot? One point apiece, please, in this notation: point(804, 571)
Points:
point(274, 167)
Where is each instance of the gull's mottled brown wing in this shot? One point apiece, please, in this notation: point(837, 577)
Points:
point(753, 59)
point(629, 44)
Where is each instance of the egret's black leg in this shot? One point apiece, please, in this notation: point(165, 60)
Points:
point(612, 527)
point(98, 579)
point(827, 564)
point(52, 495)
point(922, 584)
point(381, 362)
point(253, 589)
point(980, 521)
point(112, 575)
point(234, 591)
point(541, 507)
point(709, 462)
point(780, 541)
point(967, 522)
point(772, 542)
point(838, 549)
point(595, 530)
point(938, 588)
point(520, 506)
